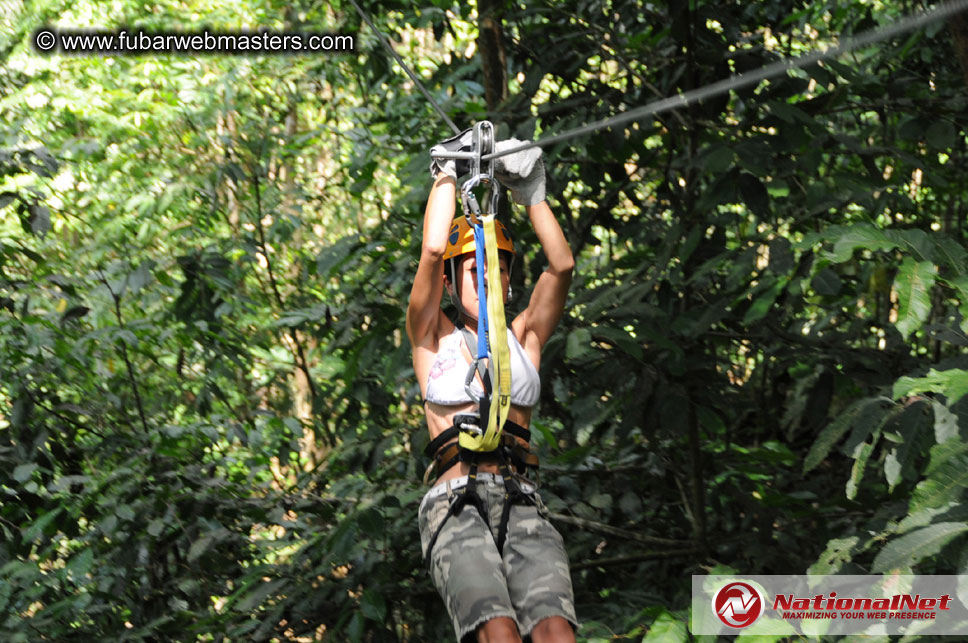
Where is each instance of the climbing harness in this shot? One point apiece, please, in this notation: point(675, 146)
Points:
point(487, 435)
point(444, 458)
point(513, 459)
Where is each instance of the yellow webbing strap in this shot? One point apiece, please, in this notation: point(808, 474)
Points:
point(498, 353)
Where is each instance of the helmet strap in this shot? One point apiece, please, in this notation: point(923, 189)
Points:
point(454, 291)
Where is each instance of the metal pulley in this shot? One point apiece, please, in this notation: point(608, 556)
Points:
point(481, 172)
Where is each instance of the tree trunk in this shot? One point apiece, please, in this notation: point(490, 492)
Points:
point(490, 42)
point(959, 32)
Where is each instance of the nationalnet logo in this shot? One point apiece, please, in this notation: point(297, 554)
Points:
point(899, 606)
point(738, 604)
point(830, 605)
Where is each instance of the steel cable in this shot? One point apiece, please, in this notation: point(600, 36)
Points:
point(413, 77)
point(738, 81)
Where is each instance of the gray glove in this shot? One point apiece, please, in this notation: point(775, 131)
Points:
point(452, 167)
point(521, 172)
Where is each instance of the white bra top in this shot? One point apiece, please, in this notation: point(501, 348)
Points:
point(445, 384)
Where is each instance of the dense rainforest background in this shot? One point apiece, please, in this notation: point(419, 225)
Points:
point(209, 424)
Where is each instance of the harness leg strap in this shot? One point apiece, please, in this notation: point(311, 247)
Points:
point(468, 495)
point(512, 496)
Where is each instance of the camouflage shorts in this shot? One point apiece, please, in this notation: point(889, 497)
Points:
point(529, 583)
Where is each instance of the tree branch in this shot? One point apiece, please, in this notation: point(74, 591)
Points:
point(124, 353)
point(602, 528)
point(698, 484)
point(635, 558)
point(301, 362)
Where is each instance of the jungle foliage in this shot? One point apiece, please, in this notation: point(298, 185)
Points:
point(209, 425)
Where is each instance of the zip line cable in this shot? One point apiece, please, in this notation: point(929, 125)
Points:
point(413, 77)
point(738, 81)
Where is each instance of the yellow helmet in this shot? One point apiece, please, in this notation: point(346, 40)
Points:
point(461, 238)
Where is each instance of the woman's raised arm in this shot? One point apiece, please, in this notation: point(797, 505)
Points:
point(424, 308)
point(523, 173)
point(550, 292)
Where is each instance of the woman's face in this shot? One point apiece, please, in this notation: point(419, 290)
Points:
point(467, 278)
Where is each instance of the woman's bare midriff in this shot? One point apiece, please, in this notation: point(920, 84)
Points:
point(440, 418)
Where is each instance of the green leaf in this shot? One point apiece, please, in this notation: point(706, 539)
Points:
point(952, 512)
point(911, 425)
point(953, 256)
point(755, 194)
point(335, 255)
point(355, 628)
point(23, 472)
point(869, 422)
point(710, 419)
point(39, 526)
point(835, 431)
point(600, 501)
point(826, 283)
point(944, 451)
point(630, 503)
point(863, 236)
point(945, 484)
point(620, 338)
point(838, 552)
point(256, 597)
point(666, 628)
point(373, 606)
point(782, 260)
point(762, 305)
point(769, 630)
point(910, 549)
point(578, 342)
point(913, 284)
point(718, 159)
point(370, 521)
point(80, 565)
point(142, 276)
point(917, 242)
point(961, 286)
point(952, 383)
point(945, 423)
point(941, 135)
point(155, 527)
point(861, 455)
point(200, 546)
point(787, 112)
point(39, 219)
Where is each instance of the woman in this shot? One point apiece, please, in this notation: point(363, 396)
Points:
point(522, 588)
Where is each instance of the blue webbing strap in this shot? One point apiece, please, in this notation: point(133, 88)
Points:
point(481, 292)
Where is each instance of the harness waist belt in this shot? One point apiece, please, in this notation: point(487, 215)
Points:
point(445, 457)
point(468, 420)
point(461, 482)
